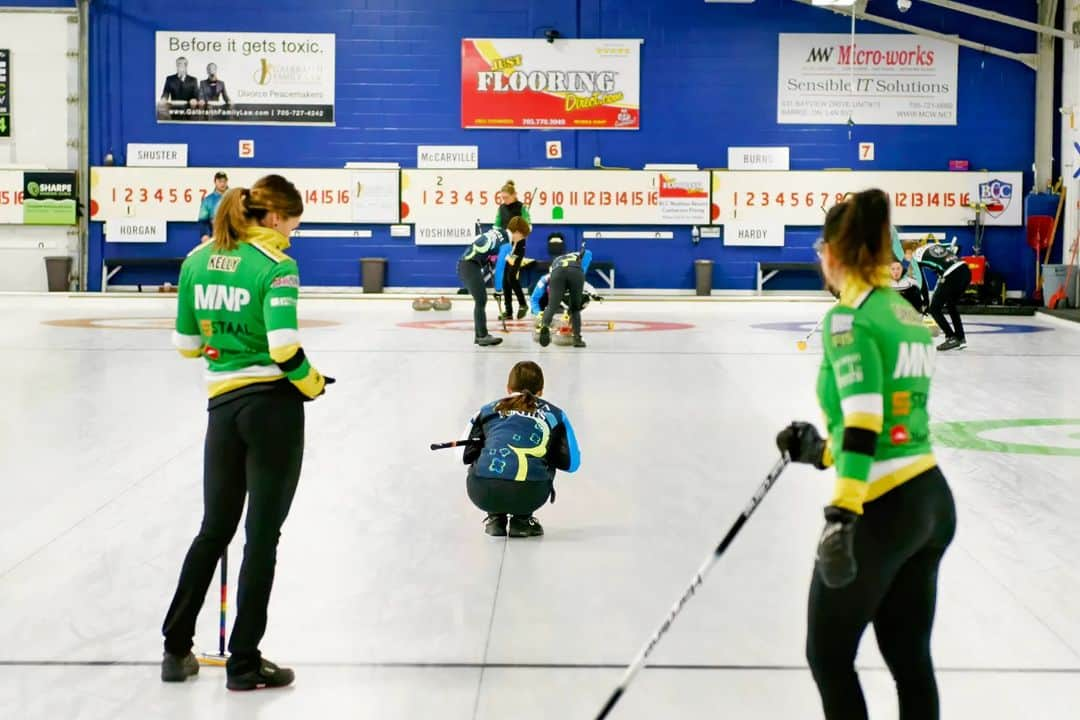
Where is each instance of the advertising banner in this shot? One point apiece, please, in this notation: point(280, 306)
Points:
point(5, 93)
point(534, 84)
point(918, 198)
point(447, 203)
point(49, 198)
point(896, 79)
point(247, 78)
point(175, 194)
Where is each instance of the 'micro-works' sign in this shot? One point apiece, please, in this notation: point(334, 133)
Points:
point(878, 80)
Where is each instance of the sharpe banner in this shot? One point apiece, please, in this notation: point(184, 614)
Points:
point(880, 80)
point(49, 198)
point(534, 84)
point(247, 78)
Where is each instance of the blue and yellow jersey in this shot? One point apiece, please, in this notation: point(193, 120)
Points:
point(494, 242)
point(522, 446)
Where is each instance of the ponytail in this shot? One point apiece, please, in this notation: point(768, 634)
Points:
point(241, 207)
point(526, 383)
point(522, 401)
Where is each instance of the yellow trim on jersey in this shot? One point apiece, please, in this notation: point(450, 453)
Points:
point(855, 290)
point(885, 483)
point(190, 354)
point(283, 353)
point(220, 388)
point(276, 256)
point(853, 494)
point(850, 494)
point(827, 458)
point(864, 421)
point(268, 241)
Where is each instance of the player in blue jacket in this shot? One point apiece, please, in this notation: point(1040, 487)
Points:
point(515, 446)
point(567, 277)
point(497, 243)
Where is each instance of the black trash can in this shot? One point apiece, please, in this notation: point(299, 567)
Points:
point(703, 276)
point(58, 273)
point(373, 274)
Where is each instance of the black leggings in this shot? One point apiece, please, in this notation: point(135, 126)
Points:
point(899, 543)
point(566, 280)
point(507, 497)
point(949, 290)
point(254, 449)
point(512, 283)
point(472, 275)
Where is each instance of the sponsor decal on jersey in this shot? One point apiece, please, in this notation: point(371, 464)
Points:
point(283, 302)
point(914, 360)
point(221, 297)
point(840, 330)
point(848, 371)
point(223, 263)
point(206, 327)
point(286, 281)
point(224, 327)
point(905, 313)
point(211, 352)
point(899, 435)
point(903, 403)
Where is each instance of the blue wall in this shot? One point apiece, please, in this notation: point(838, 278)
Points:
point(708, 81)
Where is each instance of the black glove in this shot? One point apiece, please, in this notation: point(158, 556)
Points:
point(801, 442)
point(836, 564)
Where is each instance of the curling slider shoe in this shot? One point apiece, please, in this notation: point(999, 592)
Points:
point(441, 304)
point(422, 304)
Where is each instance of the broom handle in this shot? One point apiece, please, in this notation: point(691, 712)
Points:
point(1053, 229)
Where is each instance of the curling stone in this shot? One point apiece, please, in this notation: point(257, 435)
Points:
point(421, 304)
point(441, 304)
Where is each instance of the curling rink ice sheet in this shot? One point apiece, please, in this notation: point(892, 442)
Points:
point(391, 603)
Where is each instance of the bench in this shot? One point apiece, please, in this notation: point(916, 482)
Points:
point(768, 270)
point(111, 266)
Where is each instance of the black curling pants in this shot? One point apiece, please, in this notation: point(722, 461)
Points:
point(254, 450)
point(472, 276)
point(496, 496)
point(899, 543)
point(566, 280)
point(947, 296)
point(512, 283)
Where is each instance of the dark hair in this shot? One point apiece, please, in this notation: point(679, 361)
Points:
point(241, 208)
point(519, 224)
point(220, 175)
point(857, 232)
point(527, 382)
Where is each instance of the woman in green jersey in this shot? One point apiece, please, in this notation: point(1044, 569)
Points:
point(892, 514)
point(237, 308)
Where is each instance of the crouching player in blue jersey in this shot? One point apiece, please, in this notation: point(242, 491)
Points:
point(567, 277)
point(515, 446)
point(540, 298)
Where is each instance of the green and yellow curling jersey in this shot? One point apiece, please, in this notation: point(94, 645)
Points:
point(237, 308)
point(873, 387)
